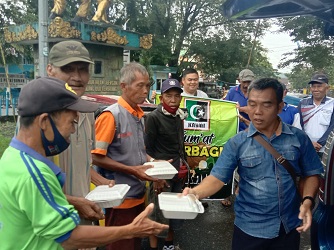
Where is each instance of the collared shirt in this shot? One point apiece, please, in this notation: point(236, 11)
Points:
point(199, 93)
point(267, 195)
point(317, 121)
point(290, 115)
point(34, 212)
point(105, 127)
point(107, 120)
point(235, 94)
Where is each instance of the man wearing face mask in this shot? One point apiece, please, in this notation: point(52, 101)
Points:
point(33, 205)
point(164, 140)
point(69, 61)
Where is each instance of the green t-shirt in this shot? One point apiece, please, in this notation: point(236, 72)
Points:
point(34, 212)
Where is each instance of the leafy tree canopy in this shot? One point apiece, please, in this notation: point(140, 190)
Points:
point(315, 51)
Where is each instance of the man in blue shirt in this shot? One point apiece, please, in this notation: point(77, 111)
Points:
point(268, 209)
point(239, 94)
point(289, 114)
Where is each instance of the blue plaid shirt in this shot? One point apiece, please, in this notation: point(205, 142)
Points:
point(267, 195)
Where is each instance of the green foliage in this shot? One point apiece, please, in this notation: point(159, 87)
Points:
point(193, 30)
point(315, 51)
point(227, 52)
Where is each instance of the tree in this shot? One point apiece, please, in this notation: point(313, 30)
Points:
point(192, 29)
point(195, 31)
point(227, 52)
point(315, 51)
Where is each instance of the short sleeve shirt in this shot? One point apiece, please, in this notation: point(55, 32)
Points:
point(34, 212)
point(267, 195)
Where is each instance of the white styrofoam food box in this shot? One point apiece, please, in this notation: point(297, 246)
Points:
point(161, 170)
point(178, 206)
point(106, 196)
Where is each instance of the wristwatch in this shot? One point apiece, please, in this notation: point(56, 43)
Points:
point(152, 159)
point(311, 199)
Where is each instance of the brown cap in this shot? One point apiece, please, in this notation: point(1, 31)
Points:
point(66, 52)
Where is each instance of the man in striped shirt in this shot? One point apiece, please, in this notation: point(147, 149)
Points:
point(316, 112)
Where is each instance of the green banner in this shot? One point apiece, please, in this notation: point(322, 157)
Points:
point(209, 125)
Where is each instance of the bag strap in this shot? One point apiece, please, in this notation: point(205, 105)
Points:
point(279, 158)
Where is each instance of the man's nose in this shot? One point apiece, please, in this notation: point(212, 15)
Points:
point(75, 74)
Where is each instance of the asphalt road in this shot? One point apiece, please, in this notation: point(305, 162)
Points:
point(212, 231)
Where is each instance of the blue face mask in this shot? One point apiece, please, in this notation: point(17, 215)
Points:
point(58, 145)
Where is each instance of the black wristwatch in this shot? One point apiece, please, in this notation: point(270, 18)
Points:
point(311, 199)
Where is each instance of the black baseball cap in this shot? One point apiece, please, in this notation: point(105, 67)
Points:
point(319, 78)
point(170, 83)
point(48, 94)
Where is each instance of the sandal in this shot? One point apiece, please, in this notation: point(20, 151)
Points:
point(226, 203)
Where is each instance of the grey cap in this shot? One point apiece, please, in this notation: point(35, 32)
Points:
point(66, 52)
point(246, 75)
point(319, 78)
point(48, 94)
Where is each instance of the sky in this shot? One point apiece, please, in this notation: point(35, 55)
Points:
point(277, 44)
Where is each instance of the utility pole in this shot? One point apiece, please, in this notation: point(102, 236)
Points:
point(43, 48)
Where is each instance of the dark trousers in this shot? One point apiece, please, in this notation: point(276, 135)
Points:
point(121, 217)
point(283, 241)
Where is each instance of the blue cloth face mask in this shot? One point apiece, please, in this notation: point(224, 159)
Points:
point(58, 145)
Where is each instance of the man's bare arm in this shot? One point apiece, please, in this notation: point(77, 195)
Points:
point(110, 164)
point(92, 236)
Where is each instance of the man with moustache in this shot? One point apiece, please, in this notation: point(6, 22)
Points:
point(239, 94)
point(69, 61)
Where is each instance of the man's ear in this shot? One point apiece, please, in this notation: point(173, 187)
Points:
point(43, 121)
point(122, 85)
point(160, 98)
point(49, 70)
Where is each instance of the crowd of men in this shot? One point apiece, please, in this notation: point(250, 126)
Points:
point(47, 168)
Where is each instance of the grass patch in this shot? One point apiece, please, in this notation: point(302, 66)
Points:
point(4, 142)
point(7, 129)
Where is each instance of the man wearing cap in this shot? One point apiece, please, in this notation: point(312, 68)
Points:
point(164, 140)
point(35, 213)
point(120, 148)
point(69, 61)
point(239, 94)
point(316, 112)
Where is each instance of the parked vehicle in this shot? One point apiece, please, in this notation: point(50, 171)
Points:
point(294, 99)
point(211, 89)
